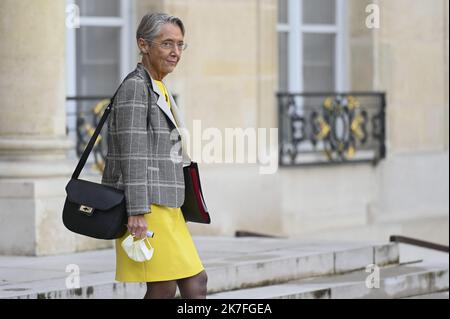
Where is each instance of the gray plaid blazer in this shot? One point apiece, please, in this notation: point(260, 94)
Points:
point(146, 149)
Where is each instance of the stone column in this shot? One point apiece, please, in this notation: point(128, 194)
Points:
point(33, 143)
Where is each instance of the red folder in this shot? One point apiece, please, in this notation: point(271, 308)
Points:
point(194, 207)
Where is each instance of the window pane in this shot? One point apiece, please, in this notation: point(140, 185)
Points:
point(282, 11)
point(98, 60)
point(319, 11)
point(97, 74)
point(99, 8)
point(283, 61)
point(318, 63)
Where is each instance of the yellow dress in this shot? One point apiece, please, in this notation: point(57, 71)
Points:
point(175, 255)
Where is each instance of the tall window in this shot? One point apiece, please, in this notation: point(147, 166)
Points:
point(99, 54)
point(311, 50)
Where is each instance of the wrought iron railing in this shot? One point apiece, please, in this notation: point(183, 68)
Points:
point(87, 114)
point(330, 128)
point(418, 242)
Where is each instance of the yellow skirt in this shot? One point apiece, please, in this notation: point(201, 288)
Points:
point(175, 255)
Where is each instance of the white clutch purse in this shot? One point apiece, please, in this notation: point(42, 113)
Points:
point(138, 250)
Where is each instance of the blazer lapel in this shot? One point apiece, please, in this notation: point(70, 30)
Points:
point(178, 115)
point(162, 103)
point(175, 116)
point(176, 112)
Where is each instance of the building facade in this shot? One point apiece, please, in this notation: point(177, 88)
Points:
point(241, 54)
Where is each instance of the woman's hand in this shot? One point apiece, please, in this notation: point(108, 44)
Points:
point(137, 226)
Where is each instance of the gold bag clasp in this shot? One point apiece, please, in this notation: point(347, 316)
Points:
point(86, 209)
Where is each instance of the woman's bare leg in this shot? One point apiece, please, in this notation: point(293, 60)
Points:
point(161, 290)
point(193, 287)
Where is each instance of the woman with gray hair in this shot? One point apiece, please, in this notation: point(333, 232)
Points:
point(145, 159)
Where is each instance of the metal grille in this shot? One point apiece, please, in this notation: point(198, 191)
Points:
point(331, 128)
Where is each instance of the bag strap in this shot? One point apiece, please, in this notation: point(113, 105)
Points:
point(91, 143)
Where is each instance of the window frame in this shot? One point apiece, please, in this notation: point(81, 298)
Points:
point(124, 22)
point(295, 28)
point(127, 60)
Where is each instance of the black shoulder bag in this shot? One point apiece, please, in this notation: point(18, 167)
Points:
point(93, 209)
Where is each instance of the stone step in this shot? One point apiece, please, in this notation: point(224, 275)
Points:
point(235, 263)
point(436, 295)
point(399, 281)
point(290, 264)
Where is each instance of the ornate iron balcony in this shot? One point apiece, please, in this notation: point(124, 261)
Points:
point(331, 128)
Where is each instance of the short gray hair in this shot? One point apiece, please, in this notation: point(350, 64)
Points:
point(151, 24)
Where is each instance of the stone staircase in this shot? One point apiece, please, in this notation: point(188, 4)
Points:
point(246, 268)
point(398, 281)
